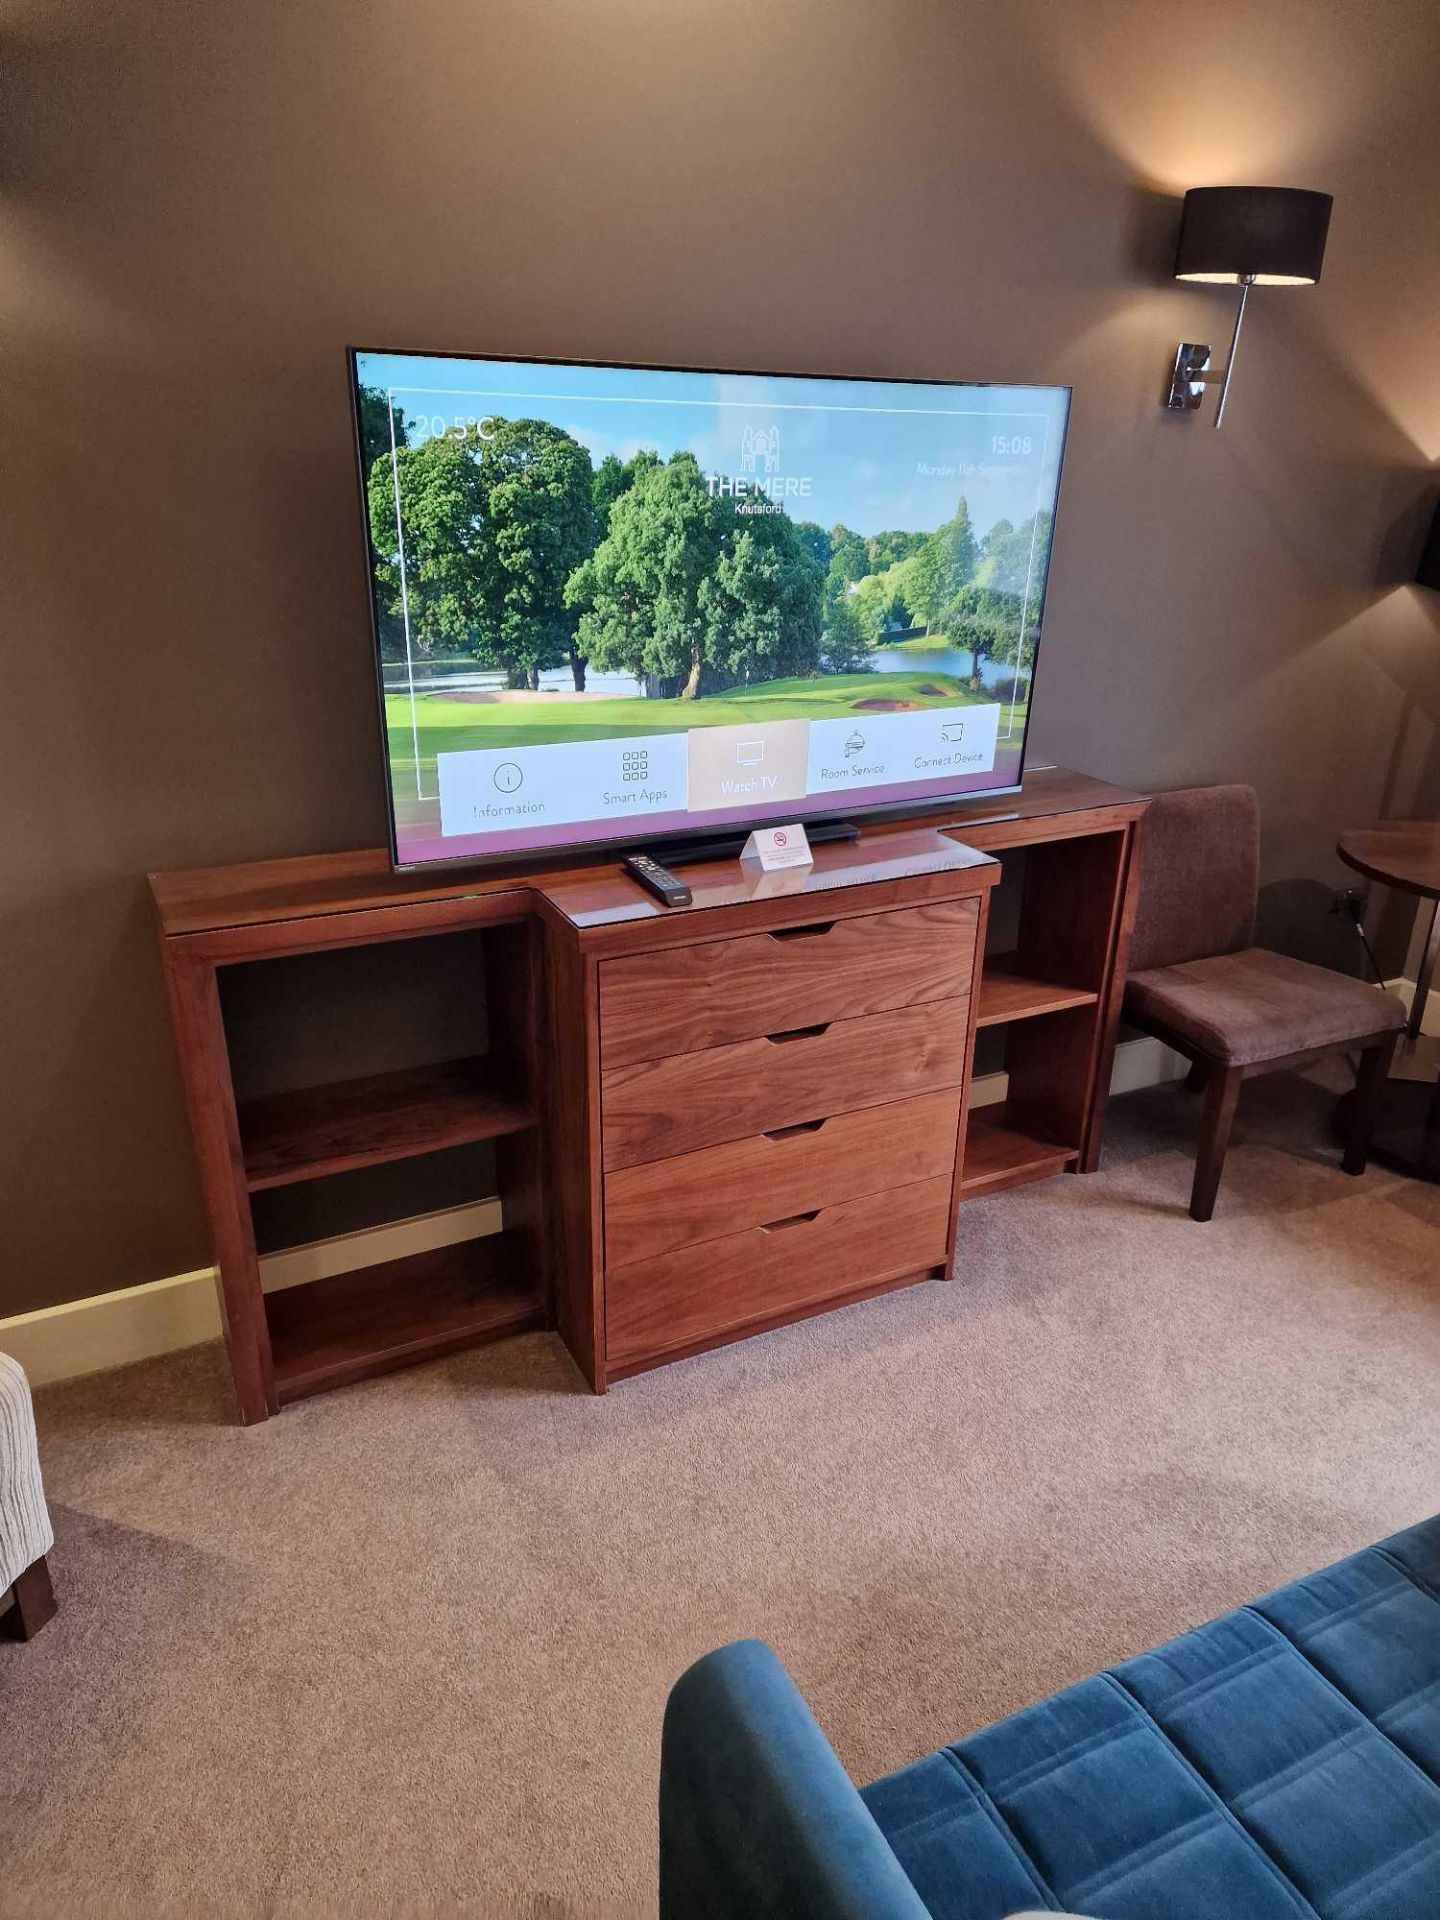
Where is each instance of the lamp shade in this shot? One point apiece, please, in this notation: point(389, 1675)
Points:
point(1427, 574)
point(1273, 235)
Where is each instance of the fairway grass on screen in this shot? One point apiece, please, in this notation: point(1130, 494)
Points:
point(616, 603)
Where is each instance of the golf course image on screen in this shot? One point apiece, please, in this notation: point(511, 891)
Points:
point(617, 603)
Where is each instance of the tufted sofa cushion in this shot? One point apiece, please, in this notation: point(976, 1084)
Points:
point(1282, 1761)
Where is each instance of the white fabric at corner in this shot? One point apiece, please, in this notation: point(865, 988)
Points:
point(25, 1530)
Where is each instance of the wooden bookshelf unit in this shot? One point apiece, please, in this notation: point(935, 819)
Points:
point(704, 1122)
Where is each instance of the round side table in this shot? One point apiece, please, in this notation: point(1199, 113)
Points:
point(1405, 854)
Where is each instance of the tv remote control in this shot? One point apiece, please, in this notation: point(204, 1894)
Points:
point(658, 880)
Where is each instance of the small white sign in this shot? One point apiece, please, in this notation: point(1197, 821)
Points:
point(773, 847)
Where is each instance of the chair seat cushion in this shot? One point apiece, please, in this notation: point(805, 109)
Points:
point(1248, 1007)
point(1277, 1764)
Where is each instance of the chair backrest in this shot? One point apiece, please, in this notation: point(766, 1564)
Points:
point(1199, 875)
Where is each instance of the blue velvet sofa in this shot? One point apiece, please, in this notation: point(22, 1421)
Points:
point(1283, 1761)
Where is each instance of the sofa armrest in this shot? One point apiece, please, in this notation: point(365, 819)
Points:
point(757, 1816)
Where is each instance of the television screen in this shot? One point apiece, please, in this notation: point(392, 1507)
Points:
point(623, 603)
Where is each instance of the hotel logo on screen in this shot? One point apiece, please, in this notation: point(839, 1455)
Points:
point(760, 486)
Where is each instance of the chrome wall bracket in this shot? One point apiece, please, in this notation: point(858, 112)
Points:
point(1189, 377)
point(1191, 373)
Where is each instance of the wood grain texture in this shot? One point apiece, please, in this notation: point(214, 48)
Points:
point(194, 900)
point(571, 1101)
point(655, 1108)
point(1050, 1067)
point(774, 1176)
point(684, 998)
point(1397, 853)
point(200, 1044)
point(317, 933)
point(384, 1116)
point(1009, 991)
point(678, 1073)
point(962, 1132)
point(769, 1322)
point(514, 1013)
point(1000, 1151)
point(272, 892)
point(719, 1287)
point(1112, 994)
point(357, 1324)
point(1068, 919)
point(616, 913)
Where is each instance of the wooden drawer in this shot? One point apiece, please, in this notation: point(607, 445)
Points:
point(719, 1287)
point(774, 1176)
point(657, 1108)
point(684, 998)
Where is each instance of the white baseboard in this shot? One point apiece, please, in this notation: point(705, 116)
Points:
point(161, 1316)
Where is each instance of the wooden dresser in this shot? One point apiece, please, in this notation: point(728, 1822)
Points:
point(761, 1111)
point(698, 1123)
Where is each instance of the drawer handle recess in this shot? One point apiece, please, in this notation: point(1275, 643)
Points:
point(802, 933)
point(794, 1220)
point(800, 1126)
point(797, 1033)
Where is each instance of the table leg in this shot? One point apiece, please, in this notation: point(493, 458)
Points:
point(1406, 1134)
point(1425, 978)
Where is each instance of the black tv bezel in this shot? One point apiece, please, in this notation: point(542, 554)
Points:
point(580, 849)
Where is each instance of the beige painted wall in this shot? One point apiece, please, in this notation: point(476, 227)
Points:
point(200, 204)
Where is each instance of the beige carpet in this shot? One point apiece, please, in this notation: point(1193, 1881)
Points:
point(405, 1649)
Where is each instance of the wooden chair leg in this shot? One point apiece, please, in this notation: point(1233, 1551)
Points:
point(1375, 1065)
point(1222, 1090)
point(1198, 1077)
point(34, 1601)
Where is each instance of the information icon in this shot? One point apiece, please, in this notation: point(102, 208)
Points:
point(508, 776)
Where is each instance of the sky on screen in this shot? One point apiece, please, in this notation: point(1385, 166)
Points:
point(863, 446)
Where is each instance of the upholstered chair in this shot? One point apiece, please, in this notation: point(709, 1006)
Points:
point(1233, 1009)
point(25, 1532)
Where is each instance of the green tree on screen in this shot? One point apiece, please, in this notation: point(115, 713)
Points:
point(691, 598)
point(888, 547)
point(538, 526)
point(375, 429)
point(492, 527)
point(609, 483)
point(845, 646)
point(376, 425)
point(983, 621)
point(613, 477)
point(1013, 559)
point(437, 591)
point(849, 555)
point(937, 571)
point(763, 603)
point(816, 542)
point(881, 603)
point(639, 593)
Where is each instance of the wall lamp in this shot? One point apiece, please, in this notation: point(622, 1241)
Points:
point(1242, 237)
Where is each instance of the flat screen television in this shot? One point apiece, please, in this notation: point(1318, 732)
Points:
point(622, 604)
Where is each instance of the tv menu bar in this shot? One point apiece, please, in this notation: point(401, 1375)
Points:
point(496, 790)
